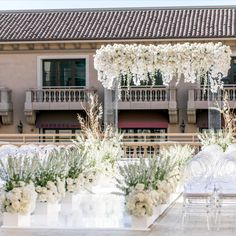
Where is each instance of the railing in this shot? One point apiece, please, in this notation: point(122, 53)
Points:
point(144, 94)
point(134, 145)
point(202, 94)
point(58, 95)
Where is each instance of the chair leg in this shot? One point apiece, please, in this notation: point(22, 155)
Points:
point(208, 222)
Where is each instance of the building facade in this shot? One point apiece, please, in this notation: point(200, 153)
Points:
point(47, 69)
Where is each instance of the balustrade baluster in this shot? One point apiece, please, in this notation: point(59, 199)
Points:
point(138, 95)
point(34, 96)
point(72, 96)
point(161, 91)
point(61, 95)
point(143, 95)
point(145, 151)
point(83, 95)
point(49, 95)
point(153, 95)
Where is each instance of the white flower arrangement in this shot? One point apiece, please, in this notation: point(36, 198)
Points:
point(50, 176)
point(74, 185)
point(77, 164)
point(18, 193)
point(20, 199)
point(139, 62)
point(102, 148)
point(52, 192)
point(139, 202)
point(90, 177)
point(152, 179)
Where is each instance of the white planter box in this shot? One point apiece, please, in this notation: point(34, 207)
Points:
point(141, 222)
point(146, 221)
point(47, 209)
point(15, 220)
point(70, 202)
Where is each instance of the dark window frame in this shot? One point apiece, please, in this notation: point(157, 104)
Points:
point(57, 75)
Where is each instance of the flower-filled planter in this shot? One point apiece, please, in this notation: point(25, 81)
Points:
point(49, 197)
point(150, 184)
point(17, 205)
point(18, 195)
point(50, 183)
point(143, 222)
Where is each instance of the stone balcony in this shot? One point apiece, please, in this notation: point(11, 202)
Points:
point(54, 99)
point(146, 98)
point(198, 98)
point(6, 106)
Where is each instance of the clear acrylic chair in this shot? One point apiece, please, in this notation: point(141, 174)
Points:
point(225, 182)
point(198, 194)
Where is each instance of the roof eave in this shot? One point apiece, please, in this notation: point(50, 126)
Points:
point(119, 40)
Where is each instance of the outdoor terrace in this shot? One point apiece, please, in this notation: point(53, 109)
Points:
point(55, 98)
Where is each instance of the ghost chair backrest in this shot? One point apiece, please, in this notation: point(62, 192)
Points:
point(8, 150)
point(227, 167)
point(196, 168)
point(212, 154)
point(29, 149)
point(231, 148)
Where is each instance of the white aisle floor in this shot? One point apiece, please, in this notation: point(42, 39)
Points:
point(167, 225)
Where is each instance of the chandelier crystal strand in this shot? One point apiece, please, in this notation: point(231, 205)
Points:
point(138, 61)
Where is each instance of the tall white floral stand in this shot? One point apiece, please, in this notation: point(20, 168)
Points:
point(111, 97)
point(16, 220)
point(214, 115)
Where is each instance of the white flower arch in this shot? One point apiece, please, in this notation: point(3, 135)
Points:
point(193, 61)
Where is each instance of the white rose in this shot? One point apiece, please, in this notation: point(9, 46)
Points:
point(69, 181)
point(44, 190)
point(22, 184)
point(71, 188)
point(16, 205)
point(38, 189)
point(42, 197)
point(139, 187)
point(50, 184)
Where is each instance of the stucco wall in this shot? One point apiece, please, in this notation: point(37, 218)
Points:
point(18, 72)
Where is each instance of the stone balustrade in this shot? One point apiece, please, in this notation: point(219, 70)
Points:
point(149, 97)
point(203, 98)
point(55, 99)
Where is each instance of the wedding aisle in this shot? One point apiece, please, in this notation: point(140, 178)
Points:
point(170, 224)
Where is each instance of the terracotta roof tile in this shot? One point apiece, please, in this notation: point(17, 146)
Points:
point(117, 24)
